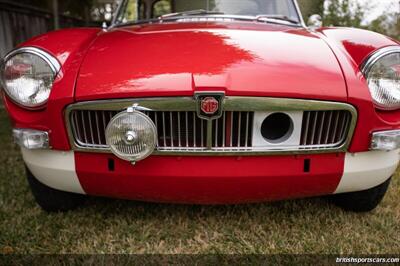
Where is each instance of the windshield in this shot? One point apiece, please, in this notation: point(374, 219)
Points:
point(132, 11)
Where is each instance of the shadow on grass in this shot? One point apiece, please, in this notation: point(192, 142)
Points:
point(278, 209)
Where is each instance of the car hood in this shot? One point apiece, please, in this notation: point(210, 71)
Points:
point(177, 59)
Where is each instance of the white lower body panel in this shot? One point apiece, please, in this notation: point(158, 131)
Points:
point(362, 171)
point(55, 169)
point(366, 170)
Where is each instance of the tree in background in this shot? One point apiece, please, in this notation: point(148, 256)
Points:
point(387, 23)
point(346, 13)
point(88, 10)
point(350, 13)
point(311, 7)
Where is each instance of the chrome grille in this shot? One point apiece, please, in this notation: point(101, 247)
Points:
point(233, 130)
point(181, 130)
point(89, 127)
point(175, 130)
point(323, 128)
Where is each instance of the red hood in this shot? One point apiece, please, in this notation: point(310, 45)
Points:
point(246, 59)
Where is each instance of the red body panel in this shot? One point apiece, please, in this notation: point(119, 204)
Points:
point(208, 180)
point(176, 59)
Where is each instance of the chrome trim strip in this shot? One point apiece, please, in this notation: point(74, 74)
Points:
point(299, 14)
point(368, 63)
point(230, 104)
point(49, 59)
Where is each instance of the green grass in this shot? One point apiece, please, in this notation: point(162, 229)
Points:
point(310, 226)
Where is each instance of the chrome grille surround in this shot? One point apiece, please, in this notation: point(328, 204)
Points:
point(208, 141)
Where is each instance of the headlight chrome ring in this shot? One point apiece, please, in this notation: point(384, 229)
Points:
point(382, 72)
point(34, 75)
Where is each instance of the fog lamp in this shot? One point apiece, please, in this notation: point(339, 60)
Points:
point(131, 135)
point(31, 139)
point(386, 140)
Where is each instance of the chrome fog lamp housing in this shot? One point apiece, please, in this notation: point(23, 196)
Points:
point(131, 135)
point(382, 71)
point(27, 75)
point(386, 140)
point(31, 139)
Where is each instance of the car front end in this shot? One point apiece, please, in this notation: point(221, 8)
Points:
point(207, 108)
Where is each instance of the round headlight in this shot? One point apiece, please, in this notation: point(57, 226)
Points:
point(131, 136)
point(382, 71)
point(27, 76)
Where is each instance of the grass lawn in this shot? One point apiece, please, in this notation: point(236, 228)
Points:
point(310, 226)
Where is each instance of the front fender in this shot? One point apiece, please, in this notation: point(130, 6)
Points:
point(358, 44)
point(352, 47)
point(69, 47)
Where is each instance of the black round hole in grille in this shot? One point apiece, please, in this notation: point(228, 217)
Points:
point(277, 128)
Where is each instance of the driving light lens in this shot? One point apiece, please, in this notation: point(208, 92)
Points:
point(383, 77)
point(131, 136)
point(28, 78)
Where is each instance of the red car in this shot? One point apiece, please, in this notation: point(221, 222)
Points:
point(206, 102)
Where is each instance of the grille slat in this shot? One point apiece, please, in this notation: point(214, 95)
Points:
point(329, 127)
point(83, 124)
point(325, 128)
point(231, 130)
point(321, 128)
point(247, 129)
point(163, 130)
point(187, 129)
point(194, 130)
point(239, 130)
point(179, 130)
point(335, 127)
point(306, 127)
point(171, 128)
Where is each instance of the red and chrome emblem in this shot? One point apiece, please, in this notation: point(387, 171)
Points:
point(209, 105)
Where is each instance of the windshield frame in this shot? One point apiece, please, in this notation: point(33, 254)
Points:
point(114, 22)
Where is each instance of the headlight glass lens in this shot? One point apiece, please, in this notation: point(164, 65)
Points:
point(28, 79)
point(131, 136)
point(384, 81)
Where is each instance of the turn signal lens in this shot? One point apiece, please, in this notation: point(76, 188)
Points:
point(31, 139)
point(131, 136)
point(386, 140)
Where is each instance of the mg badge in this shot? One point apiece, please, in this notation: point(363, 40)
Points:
point(209, 104)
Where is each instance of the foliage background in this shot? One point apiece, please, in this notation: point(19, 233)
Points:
point(348, 13)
